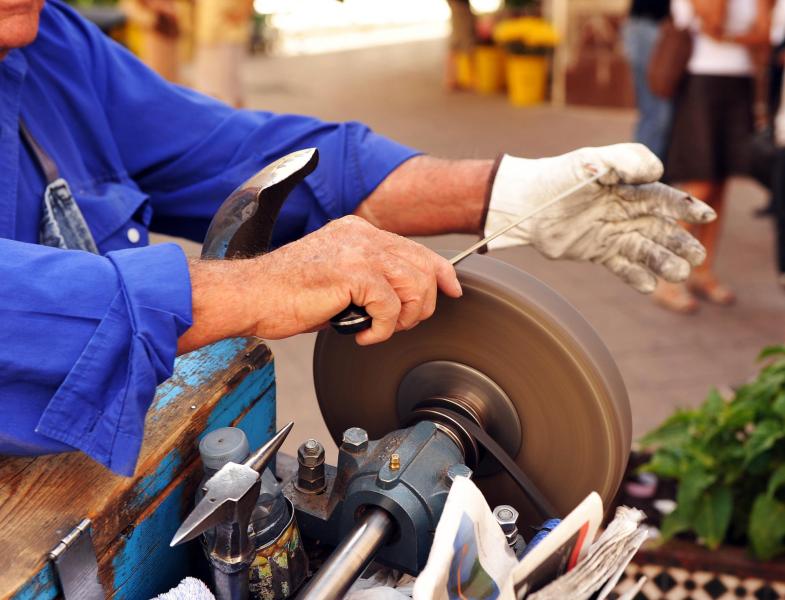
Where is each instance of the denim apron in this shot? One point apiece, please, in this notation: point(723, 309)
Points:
point(62, 223)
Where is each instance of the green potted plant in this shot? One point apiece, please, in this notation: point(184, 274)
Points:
point(728, 460)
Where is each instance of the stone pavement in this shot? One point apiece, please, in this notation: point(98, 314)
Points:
point(667, 360)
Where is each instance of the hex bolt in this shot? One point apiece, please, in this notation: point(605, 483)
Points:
point(311, 453)
point(395, 461)
point(507, 518)
point(310, 472)
point(355, 439)
point(458, 470)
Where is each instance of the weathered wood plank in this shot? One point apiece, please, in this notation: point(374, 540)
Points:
point(42, 499)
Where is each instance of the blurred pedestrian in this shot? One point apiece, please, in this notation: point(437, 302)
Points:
point(222, 35)
point(158, 25)
point(461, 45)
point(640, 36)
point(713, 124)
point(778, 179)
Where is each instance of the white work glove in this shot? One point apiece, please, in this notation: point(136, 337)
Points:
point(625, 221)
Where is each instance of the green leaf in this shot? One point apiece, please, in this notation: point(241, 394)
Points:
point(767, 527)
point(767, 433)
point(713, 405)
point(675, 431)
point(776, 481)
point(664, 463)
point(738, 413)
point(771, 351)
point(713, 514)
point(691, 489)
point(674, 523)
point(779, 405)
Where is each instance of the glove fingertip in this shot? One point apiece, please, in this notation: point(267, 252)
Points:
point(636, 164)
point(646, 287)
point(698, 212)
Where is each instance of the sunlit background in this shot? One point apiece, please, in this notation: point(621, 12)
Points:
point(312, 26)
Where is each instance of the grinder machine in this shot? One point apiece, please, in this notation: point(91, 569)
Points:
point(508, 385)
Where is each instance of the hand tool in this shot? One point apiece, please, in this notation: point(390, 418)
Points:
point(354, 319)
point(229, 499)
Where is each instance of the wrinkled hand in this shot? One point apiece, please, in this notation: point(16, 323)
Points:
point(309, 281)
point(626, 221)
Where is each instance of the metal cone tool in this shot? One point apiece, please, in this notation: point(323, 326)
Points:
point(230, 496)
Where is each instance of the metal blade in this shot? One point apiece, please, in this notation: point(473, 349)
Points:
point(243, 225)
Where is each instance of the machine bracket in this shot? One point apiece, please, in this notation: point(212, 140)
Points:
point(77, 566)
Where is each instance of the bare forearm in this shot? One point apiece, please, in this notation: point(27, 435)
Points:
point(430, 196)
point(759, 34)
point(712, 14)
point(219, 305)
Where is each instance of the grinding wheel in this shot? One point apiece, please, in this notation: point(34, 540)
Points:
point(520, 359)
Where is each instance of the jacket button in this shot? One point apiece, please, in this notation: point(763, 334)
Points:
point(133, 235)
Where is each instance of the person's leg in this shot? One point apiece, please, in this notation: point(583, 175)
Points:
point(461, 41)
point(778, 201)
point(654, 113)
point(703, 281)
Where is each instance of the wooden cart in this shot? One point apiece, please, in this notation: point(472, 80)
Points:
point(133, 519)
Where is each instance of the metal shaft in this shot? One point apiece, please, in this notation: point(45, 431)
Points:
point(350, 558)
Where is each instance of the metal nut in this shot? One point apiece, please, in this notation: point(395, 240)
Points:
point(355, 439)
point(459, 470)
point(310, 453)
point(310, 472)
point(507, 518)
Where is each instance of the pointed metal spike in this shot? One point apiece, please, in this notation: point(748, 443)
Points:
point(205, 515)
point(259, 460)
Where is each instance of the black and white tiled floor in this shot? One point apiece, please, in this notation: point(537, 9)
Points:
point(673, 583)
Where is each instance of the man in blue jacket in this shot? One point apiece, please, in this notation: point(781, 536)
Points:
point(91, 318)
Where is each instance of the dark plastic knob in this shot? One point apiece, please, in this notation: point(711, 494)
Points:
point(353, 319)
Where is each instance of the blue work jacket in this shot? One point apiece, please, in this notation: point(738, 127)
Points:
point(85, 339)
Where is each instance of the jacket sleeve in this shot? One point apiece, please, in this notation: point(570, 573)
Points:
point(85, 340)
point(188, 151)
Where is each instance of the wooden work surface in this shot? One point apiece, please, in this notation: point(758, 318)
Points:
point(42, 499)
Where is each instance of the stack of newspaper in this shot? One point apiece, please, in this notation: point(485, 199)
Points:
point(470, 557)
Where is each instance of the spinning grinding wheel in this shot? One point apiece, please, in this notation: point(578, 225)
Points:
point(512, 356)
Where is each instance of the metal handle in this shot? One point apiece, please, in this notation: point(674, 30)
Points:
point(350, 558)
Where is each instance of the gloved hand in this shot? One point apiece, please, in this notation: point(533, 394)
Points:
point(625, 221)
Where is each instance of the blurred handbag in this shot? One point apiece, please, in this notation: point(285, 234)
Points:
point(668, 63)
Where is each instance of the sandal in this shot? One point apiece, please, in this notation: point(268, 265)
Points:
point(711, 290)
point(676, 298)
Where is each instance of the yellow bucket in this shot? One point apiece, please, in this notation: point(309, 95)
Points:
point(464, 73)
point(527, 78)
point(488, 69)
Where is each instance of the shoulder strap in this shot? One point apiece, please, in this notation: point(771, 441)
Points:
point(44, 161)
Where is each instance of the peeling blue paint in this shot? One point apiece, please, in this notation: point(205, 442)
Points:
point(153, 484)
point(41, 587)
point(259, 422)
point(256, 384)
point(145, 565)
point(194, 369)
